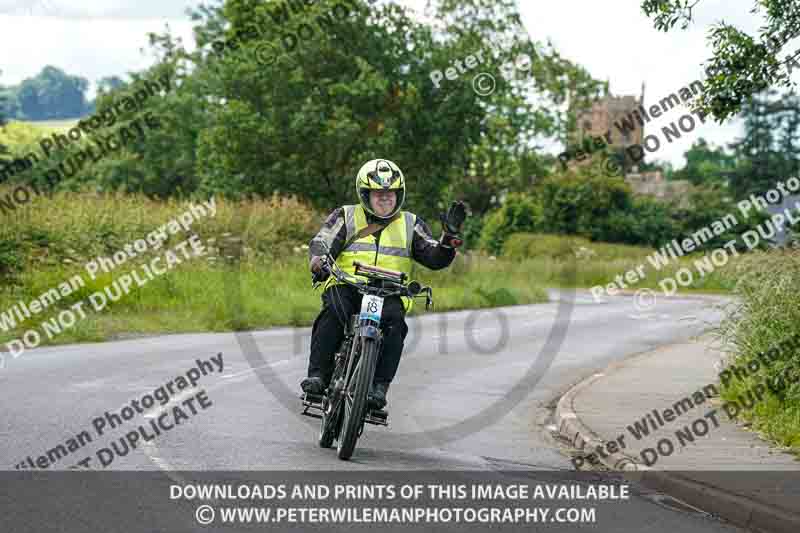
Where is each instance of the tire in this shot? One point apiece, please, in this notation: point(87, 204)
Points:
point(331, 416)
point(330, 423)
point(354, 407)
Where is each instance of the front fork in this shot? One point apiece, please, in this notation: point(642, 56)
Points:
point(364, 329)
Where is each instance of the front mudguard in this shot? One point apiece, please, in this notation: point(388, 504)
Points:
point(370, 332)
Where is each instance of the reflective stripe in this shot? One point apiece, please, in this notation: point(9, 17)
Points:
point(418, 229)
point(350, 220)
point(395, 248)
point(362, 247)
point(410, 220)
point(391, 250)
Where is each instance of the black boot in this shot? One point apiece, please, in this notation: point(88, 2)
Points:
point(313, 385)
point(377, 395)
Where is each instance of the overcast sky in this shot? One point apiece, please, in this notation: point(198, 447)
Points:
point(613, 40)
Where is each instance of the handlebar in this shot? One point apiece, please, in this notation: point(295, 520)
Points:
point(382, 282)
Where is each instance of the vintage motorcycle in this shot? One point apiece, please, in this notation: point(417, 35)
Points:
point(343, 406)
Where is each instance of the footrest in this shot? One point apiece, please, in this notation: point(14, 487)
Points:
point(312, 402)
point(377, 417)
point(311, 399)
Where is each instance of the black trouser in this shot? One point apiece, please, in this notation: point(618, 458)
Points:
point(340, 302)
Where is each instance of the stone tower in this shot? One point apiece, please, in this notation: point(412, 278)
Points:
point(617, 114)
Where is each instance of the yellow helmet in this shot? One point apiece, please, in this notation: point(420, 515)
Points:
point(381, 175)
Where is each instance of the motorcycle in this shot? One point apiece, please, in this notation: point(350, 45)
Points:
point(343, 407)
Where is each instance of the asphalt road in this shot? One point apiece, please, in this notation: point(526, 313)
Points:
point(472, 393)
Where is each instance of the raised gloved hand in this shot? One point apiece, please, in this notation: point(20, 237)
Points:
point(452, 223)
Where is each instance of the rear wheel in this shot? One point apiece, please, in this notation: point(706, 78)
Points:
point(330, 420)
point(354, 398)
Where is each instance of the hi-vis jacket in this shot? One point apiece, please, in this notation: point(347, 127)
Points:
point(404, 239)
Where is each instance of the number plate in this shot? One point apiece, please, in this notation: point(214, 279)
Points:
point(371, 308)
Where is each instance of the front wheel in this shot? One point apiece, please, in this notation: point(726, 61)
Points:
point(354, 399)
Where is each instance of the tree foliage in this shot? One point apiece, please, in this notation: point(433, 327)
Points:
point(51, 94)
point(4, 153)
point(253, 112)
point(706, 165)
point(742, 64)
point(586, 202)
point(768, 152)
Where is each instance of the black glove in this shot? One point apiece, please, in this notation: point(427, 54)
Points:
point(452, 222)
point(319, 269)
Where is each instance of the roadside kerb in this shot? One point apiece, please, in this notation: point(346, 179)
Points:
point(738, 510)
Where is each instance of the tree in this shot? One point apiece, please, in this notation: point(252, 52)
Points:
point(505, 159)
point(304, 119)
point(705, 165)
point(52, 94)
point(768, 151)
point(742, 64)
point(4, 153)
point(579, 201)
point(109, 83)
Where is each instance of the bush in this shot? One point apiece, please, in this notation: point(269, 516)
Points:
point(709, 204)
point(518, 213)
point(473, 226)
point(647, 222)
point(581, 203)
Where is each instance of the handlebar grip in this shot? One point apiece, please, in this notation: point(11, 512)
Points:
point(414, 288)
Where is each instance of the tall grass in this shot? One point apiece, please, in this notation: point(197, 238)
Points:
point(254, 276)
point(767, 313)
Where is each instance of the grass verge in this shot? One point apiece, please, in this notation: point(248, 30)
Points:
point(767, 313)
point(202, 297)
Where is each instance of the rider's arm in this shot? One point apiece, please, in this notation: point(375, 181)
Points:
point(331, 237)
point(430, 252)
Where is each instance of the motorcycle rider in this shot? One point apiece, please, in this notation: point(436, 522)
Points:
point(375, 232)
